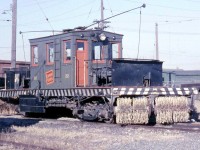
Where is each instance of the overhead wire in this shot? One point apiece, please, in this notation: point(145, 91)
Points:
point(46, 6)
point(162, 6)
point(110, 8)
point(41, 2)
point(160, 32)
point(56, 16)
point(90, 11)
point(143, 6)
point(166, 22)
point(74, 9)
point(111, 13)
point(172, 33)
point(163, 15)
point(54, 20)
point(45, 16)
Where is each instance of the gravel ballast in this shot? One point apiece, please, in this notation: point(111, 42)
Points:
point(67, 133)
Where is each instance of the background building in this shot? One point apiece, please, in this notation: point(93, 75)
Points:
point(179, 77)
point(13, 77)
point(6, 64)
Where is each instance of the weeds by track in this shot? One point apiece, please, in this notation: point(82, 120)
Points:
point(69, 133)
point(187, 127)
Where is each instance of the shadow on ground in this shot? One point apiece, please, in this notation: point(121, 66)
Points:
point(6, 123)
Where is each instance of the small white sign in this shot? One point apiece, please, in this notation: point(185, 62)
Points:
point(66, 76)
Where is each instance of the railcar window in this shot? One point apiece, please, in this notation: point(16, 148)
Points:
point(67, 51)
point(115, 50)
point(80, 46)
point(34, 55)
point(98, 50)
point(50, 53)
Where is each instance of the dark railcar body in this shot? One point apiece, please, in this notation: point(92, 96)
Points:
point(85, 51)
point(88, 58)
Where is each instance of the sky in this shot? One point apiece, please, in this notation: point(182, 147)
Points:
point(178, 26)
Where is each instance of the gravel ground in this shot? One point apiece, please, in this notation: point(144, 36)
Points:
point(67, 133)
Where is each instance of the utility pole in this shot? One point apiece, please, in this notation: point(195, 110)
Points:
point(157, 51)
point(14, 30)
point(102, 16)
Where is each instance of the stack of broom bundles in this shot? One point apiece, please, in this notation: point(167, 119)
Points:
point(7, 108)
point(171, 109)
point(132, 110)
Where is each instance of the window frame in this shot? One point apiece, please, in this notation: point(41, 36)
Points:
point(77, 48)
point(119, 51)
point(33, 55)
point(102, 52)
point(47, 54)
point(64, 54)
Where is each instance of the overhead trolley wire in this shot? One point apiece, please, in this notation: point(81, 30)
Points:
point(169, 7)
point(45, 16)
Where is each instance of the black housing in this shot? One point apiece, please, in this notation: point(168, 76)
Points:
point(136, 72)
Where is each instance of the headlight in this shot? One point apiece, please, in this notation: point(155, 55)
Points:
point(102, 37)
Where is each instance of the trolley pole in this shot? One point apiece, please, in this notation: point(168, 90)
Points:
point(14, 30)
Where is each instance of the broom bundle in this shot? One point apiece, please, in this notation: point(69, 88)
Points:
point(171, 109)
point(132, 110)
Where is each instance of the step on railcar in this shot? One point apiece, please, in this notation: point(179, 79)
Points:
point(84, 71)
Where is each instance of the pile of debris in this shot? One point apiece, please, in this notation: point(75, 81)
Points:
point(8, 108)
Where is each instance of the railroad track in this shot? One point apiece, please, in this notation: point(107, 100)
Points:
point(187, 127)
point(69, 131)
